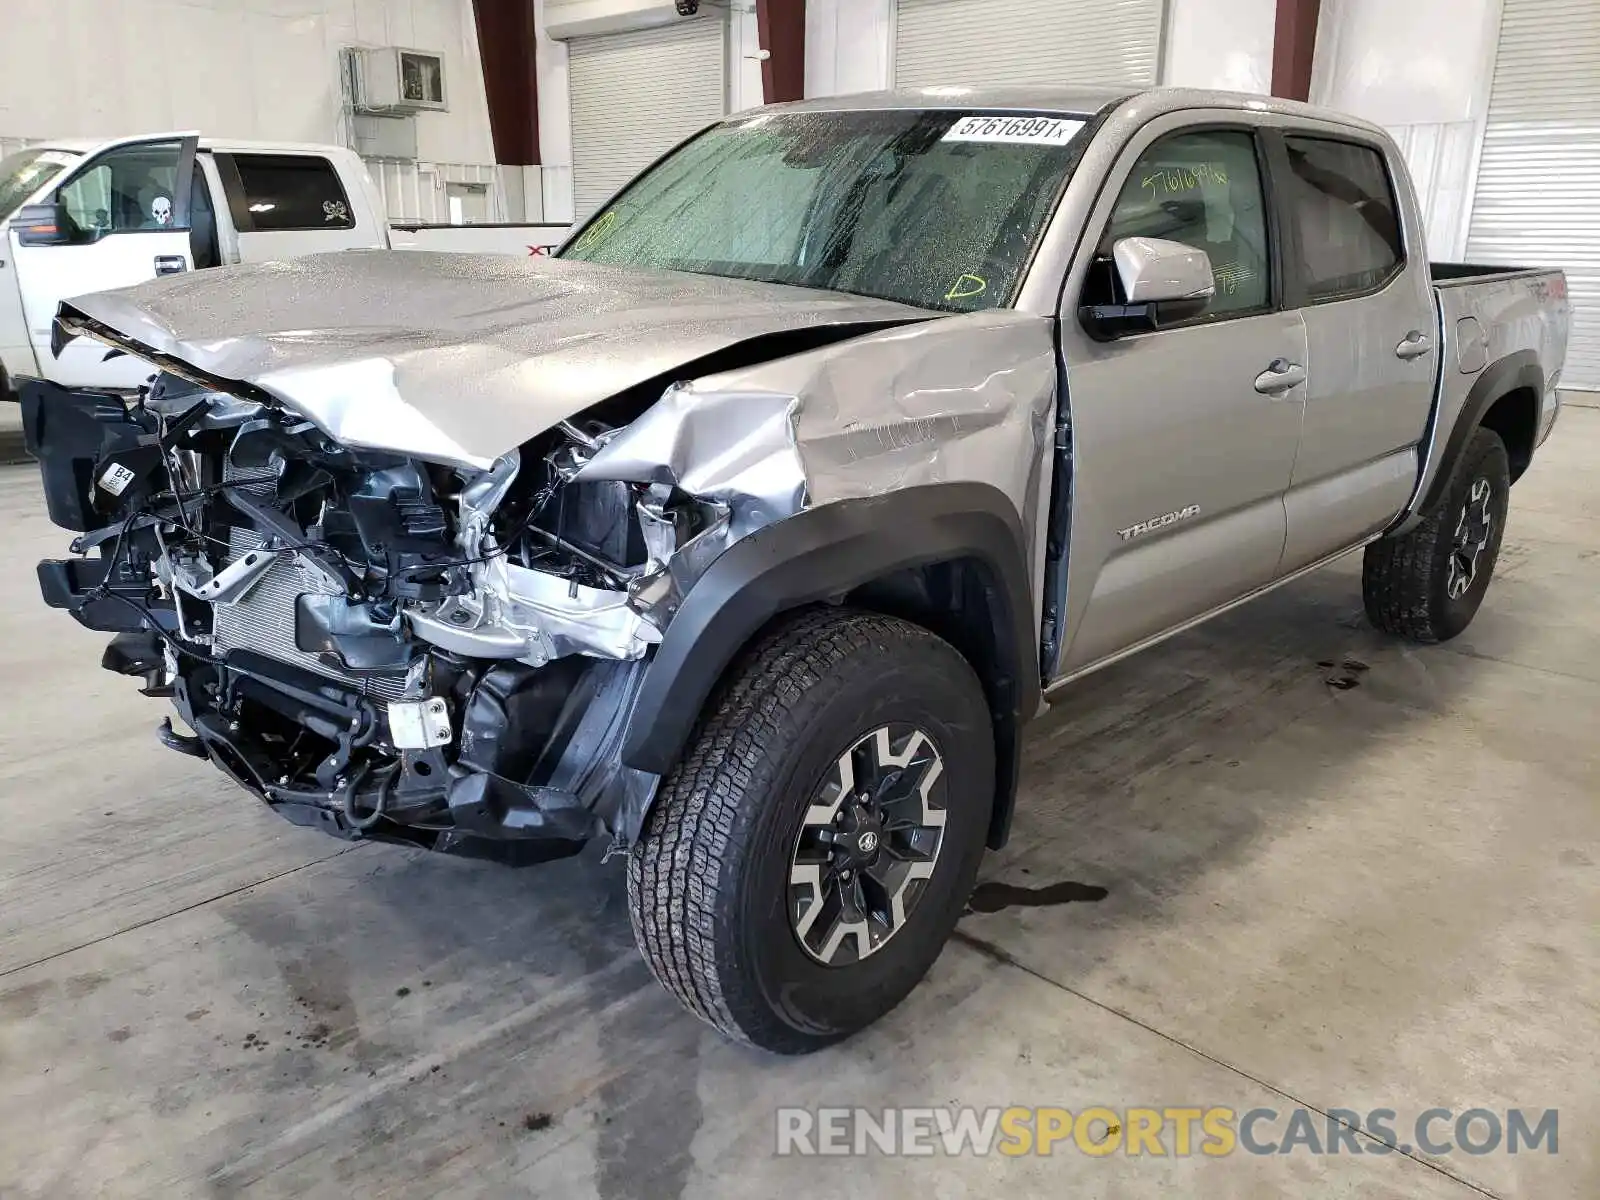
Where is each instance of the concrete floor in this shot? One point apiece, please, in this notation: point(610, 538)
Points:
point(1380, 895)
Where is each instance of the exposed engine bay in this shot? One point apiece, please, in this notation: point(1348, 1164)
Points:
point(373, 644)
point(463, 570)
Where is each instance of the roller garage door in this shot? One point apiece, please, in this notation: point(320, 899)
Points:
point(1061, 42)
point(635, 95)
point(1537, 201)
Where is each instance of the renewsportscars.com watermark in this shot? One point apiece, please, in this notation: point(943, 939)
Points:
point(1213, 1132)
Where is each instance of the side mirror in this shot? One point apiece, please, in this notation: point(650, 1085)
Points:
point(1155, 270)
point(1161, 282)
point(41, 225)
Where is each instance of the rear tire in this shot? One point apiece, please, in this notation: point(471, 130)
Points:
point(755, 895)
point(1427, 585)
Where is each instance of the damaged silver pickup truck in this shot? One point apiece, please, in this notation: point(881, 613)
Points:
point(749, 532)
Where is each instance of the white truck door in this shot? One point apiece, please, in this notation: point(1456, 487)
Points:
point(16, 350)
point(120, 219)
point(22, 176)
point(284, 204)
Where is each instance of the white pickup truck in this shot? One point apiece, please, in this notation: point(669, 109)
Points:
point(87, 216)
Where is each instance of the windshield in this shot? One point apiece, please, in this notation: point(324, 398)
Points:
point(936, 209)
point(25, 172)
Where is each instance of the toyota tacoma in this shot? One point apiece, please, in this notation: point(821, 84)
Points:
point(748, 532)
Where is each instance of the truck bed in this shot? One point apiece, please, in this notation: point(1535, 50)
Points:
point(1499, 328)
point(518, 240)
point(1451, 274)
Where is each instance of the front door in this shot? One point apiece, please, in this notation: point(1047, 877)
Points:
point(126, 214)
point(1183, 438)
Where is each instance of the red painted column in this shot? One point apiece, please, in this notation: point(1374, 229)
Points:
point(781, 29)
point(510, 78)
point(1294, 42)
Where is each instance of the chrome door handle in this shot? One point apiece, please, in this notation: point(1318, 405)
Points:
point(1279, 377)
point(171, 264)
point(1416, 345)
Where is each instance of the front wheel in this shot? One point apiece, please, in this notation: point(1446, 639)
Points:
point(804, 865)
point(1427, 585)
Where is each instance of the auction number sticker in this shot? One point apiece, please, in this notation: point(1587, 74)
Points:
point(1025, 131)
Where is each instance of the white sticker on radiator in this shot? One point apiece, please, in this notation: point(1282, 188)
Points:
point(1025, 131)
point(116, 478)
point(419, 724)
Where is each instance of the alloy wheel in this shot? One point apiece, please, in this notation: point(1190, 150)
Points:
point(1473, 530)
point(868, 846)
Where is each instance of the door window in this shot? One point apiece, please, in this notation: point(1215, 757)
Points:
point(1346, 228)
point(128, 188)
point(277, 192)
point(1203, 189)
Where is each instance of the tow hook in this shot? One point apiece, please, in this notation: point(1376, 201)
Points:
point(182, 743)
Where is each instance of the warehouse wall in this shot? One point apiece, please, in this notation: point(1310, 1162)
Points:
point(1422, 70)
point(238, 68)
point(1209, 43)
point(847, 46)
point(617, 16)
point(1223, 44)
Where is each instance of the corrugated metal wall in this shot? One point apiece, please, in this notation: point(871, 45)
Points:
point(1538, 192)
point(634, 95)
point(1064, 42)
point(422, 197)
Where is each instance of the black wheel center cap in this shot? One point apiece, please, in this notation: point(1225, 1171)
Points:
point(862, 838)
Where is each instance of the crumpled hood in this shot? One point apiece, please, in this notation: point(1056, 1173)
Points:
point(452, 357)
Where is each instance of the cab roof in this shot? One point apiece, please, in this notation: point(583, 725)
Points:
point(1135, 103)
point(89, 145)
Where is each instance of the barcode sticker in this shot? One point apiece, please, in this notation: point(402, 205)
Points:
point(1026, 131)
point(116, 478)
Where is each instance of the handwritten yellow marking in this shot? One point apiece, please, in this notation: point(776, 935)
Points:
point(967, 287)
point(596, 231)
point(1174, 181)
point(1229, 276)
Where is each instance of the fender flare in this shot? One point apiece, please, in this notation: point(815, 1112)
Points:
point(822, 554)
point(1505, 375)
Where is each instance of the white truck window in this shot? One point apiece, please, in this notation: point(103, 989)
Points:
point(123, 189)
point(274, 192)
point(25, 172)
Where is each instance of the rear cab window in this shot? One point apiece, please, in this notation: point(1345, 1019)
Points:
point(270, 193)
point(1346, 237)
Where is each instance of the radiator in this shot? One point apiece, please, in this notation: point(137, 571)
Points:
point(263, 620)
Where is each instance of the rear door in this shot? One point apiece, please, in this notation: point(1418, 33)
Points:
point(284, 204)
point(1183, 439)
point(1357, 271)
point(126, 211)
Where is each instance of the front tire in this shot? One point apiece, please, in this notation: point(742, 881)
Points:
point(1427, 585)
point(805, 863)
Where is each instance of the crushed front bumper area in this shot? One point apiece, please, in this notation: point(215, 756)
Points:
point(321, 753)
point(311, 696)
